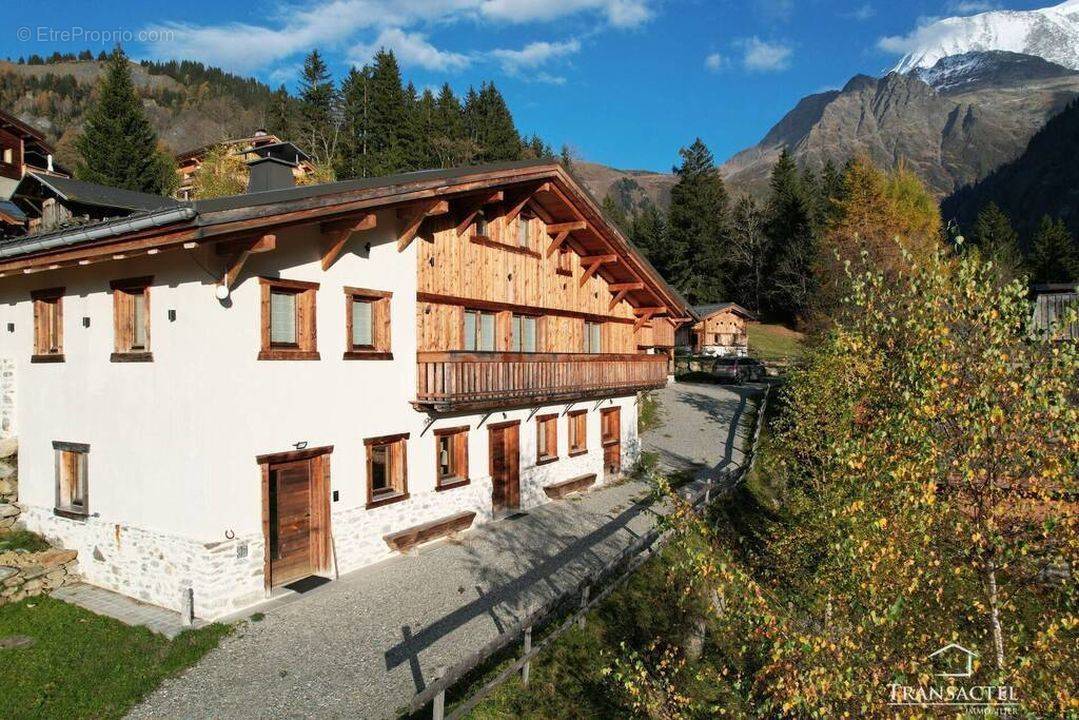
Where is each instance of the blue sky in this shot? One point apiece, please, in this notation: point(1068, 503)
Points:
point(623, 82)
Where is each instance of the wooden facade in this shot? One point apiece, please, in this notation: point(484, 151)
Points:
point(724, 328)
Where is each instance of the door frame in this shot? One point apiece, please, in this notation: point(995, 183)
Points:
point(491, 430)
point(321, 531)
point(615, 410)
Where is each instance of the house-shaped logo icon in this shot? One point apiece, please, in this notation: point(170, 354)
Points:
point(961, 660)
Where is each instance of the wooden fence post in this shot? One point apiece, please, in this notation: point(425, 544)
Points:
point(584, 604)
point(438, 705)
point(528, 663)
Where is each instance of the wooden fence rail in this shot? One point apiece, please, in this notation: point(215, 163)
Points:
point(627, 562)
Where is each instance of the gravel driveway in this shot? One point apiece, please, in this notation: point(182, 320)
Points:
point(362, 646)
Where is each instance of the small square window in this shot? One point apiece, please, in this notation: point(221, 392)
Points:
point(48, 325)
point(578, 436)
point(368, 324)
point(451, 457)
point(387, 469)
point(546, 439)
point(131, 319)
point(479, 224)
point(288, 320)
point(72, 470)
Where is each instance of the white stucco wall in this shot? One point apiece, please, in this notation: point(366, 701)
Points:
point(174, 489)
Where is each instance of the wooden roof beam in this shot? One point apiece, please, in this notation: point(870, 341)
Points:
point(619, 287)
point(557, 242)
point(644, 317)
point(618, 297)
point(338, 232)
point(601, 259)
point(414, 215)
point(476, 204)
point(519, 204)
point(574, 226)
point(241, 251)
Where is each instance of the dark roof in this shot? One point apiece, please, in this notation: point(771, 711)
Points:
point(14, 124)
point(342, 187)
point(12, 210)
point(706, 310)
point(88, 193)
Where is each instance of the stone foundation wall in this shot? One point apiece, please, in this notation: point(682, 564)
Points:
point(7, 397)
point(24, 574)
point(9, 482)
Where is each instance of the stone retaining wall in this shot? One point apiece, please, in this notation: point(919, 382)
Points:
point(24, 574)
point(9, 482)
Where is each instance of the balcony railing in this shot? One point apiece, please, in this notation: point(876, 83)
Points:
point(476, 380)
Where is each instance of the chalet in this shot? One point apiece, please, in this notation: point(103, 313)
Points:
point(22, 150)
point(247, 149)
point(720, 330)
point(222, 397)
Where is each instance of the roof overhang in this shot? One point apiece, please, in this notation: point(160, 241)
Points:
point(211, 221)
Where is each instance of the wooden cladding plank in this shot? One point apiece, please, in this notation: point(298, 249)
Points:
point(572, 226)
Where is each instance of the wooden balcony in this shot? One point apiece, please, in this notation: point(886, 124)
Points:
point(452, 381)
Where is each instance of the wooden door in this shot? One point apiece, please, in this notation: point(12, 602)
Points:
point(505, 467)
point(611, 438)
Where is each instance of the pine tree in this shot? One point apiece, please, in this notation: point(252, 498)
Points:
point(699, 227)
point(616, 213)
point(281, 115)
point(451, 145)
point(352, 161)
point(790, 229)
point(318, 109)
point(995, 238)
point(118, 146)
point(648, 232)
point(1054, 255)
point(497, 134)
point(386, 117)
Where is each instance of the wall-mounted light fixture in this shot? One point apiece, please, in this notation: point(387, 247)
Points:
point(300, 445)
point(86, 322)
point(11, 327)
point(172, 316)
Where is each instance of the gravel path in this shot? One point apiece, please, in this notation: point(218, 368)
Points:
point(362, 646)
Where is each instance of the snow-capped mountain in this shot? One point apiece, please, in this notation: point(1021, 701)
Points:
point(1051, 33)
point(960, 73)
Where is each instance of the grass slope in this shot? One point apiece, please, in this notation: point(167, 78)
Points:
point(774, 342)
point(83, 665)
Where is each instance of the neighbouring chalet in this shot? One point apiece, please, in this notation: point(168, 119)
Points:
point(247, 149)
point(721, 330)
point(22, 150)
point(232, 394)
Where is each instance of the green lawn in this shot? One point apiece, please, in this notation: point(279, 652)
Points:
point(83, 665)
point(774, 342)
point(22, 540)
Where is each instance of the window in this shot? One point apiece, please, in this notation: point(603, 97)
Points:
point(451, 457)
point(523, 333)
point(9, 156)
point(610, 425)
point(71, 479)
point(367, 315)
point(288, 320)
point(387, 469)
point(479, 225)
point(546, 439)
point(48, 325)
point(131, 320)
point(522, 231)
point(578, 435)
point(479, 331)
point(592, 336)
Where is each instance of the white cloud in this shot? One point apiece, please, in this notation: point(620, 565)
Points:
point(763, 56)
point(861, 13)
point(291, 29)
point(715, 62)
point(971, 7)
point(412, 50)
point(535, 54)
